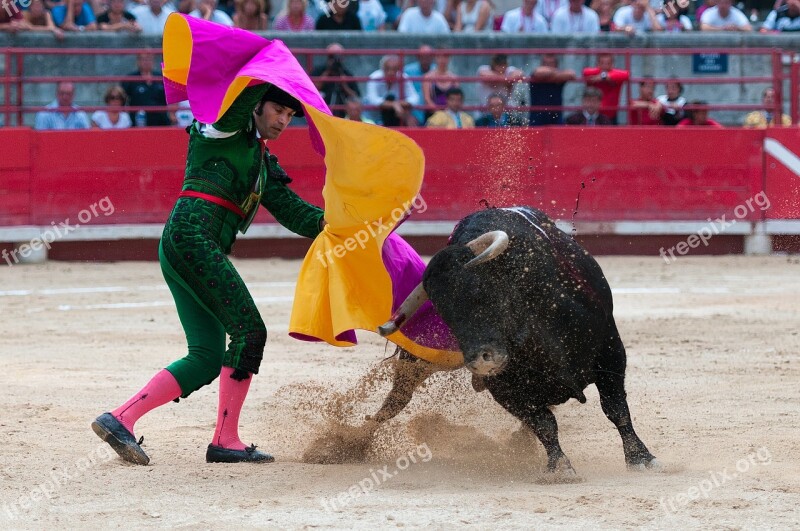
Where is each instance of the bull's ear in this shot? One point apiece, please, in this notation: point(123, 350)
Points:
point(487, 247)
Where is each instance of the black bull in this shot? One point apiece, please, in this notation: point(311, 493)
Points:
point(532, 313)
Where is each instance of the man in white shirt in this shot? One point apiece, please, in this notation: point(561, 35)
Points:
point(524, 19)
point(56, 119)
point(575, 18)
point(152, 17)
point(383, 91)
point(637, 17)
point(423, 19)
point(547, 8)
point(207, 10)
point(724, 17)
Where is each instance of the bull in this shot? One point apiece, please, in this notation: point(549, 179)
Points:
point(533, 315)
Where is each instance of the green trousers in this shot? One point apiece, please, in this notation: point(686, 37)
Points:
point(211, 298)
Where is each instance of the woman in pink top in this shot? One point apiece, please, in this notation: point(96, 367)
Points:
point(294, 17)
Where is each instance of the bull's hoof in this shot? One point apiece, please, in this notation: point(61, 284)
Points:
point(652, 464)
point(478, 383)
point(561, 472)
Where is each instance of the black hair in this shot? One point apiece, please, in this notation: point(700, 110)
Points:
point(454, 91)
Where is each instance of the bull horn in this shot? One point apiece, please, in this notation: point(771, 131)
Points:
point(487, 247)
point(406, 310)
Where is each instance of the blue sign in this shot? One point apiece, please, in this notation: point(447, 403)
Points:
point(710, 63)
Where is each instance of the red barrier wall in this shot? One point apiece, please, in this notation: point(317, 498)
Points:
point(629, 173)
point(782, 174)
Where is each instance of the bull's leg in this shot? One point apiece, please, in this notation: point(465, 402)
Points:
point(409, 373)
point(611, 386)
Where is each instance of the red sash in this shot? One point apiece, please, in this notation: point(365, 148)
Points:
point(214, 199)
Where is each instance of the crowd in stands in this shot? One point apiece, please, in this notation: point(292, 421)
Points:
point(427, 93)
point(409, 16)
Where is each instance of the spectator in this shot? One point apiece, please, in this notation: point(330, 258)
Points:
point(393, 10)
point(183, 114)
point(575, 18)
point(335, 92)
point(547, 89)
point(353, 111)
point(645, 110)
point(473, 16)
point(609, 80)
point(420, 67)
point(498, 78)
point(590, 115)
point(372, 15)
point(497, 115)
point(58, 119)
point(152, 17)
point(708, 4)
point(112, 118)
point(294, 17)
point(724, 17)
point(207, 10)
point(697, 115)
point(384, 91)
point(74, 15)
point(547, 8)
point(38, 18)
point(251, 15)
point(423, 19)
point(767, 117)
point(605, 14)
point(338, 19)
point(184, 6)
point(674, 21)
point(117, 19)
point(146, 93)
point(437, 83)
point(452, 117)
point(672, 103)
point(638, 17)
point(11, 19)
point(524, 19)
point(785, 18)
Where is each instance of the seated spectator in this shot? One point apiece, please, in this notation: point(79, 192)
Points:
point(113, 118)
point(147, 93)
point(498, 78)
point(38, 18)
point(117, 19)
point(437, 83)
point(590, 115)
point(184, 7)
point(548, 8)
point(417, 70)
point(609, 81)
point(672, 103)
point(697, 115)
point(524, 19)
point(547, 89)
point(452, 117)
point(183, 114)
point(207, 10)
point(251, 15)
point(674, 20)
point(293, 17)
point(645, 110)
point(393, 11)
point(58, 119)
point(339, 18)
point(372, 15)
point(353, 111)
point(575, 18)
point(497, 115)
point(708, 4)
point(384, 91)
point(605, 14)
point(473, 16)
point(638, 17)
point(423, 19)
point(767, 117)
point(74, 15)
point(335, 92)
point(785, 18)
point(11, 19)
point(724, 17)
point(152, 17)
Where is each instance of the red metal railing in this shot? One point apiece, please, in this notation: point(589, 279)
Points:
point(14, 79)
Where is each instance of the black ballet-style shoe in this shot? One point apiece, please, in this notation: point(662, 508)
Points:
point(108, 428)
point(218, 454)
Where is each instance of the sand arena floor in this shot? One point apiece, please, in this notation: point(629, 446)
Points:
point(713, 385)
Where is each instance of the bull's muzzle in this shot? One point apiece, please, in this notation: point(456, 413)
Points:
point(488, 362)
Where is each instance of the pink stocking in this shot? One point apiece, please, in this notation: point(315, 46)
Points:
point(162, 388)
point(231, 397)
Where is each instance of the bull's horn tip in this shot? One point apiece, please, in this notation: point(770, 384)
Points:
point(387, 329)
